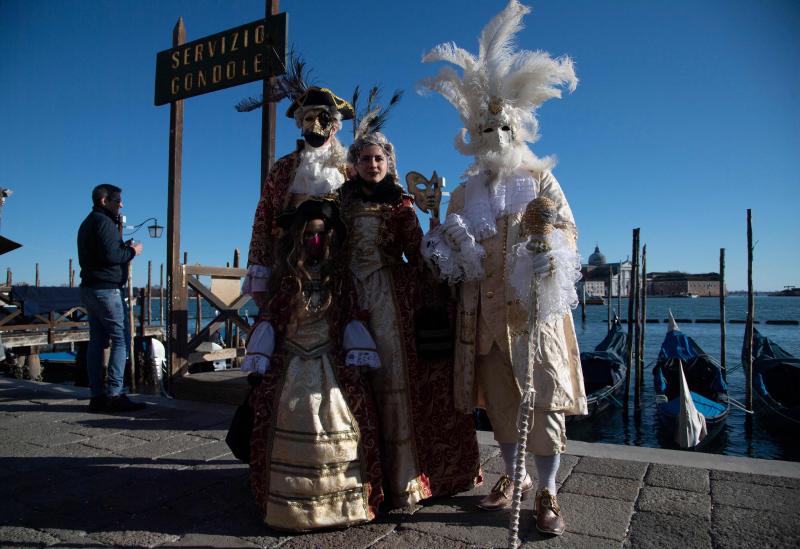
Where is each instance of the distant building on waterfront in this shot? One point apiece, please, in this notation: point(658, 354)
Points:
point(683, 284)
point(596, 272)
point(674, 283)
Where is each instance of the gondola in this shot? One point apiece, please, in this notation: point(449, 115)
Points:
point(776, 383)
point(706, 384)
point(604, 372)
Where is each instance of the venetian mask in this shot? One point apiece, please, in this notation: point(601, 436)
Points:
point(318, 126)
point(496, 130)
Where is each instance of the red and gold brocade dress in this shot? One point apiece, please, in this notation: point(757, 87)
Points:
point(427, 447)
point(314, 448)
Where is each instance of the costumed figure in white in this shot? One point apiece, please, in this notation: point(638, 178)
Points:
point(314, 451)
point(483, 248)
point(317, 168)
point(427, 448)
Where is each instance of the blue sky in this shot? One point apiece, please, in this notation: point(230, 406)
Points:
point(686, 115)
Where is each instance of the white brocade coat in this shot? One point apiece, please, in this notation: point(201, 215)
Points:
point(490, 313)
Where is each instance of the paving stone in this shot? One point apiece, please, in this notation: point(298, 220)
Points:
point(793, 483)
point(611, 467)
point(132, 538)
point(777, 499)
point(594, 516)
point(488, 452)
point(659, 530)
point(71, 537)
point(568, 540)
point(245, 523)
point(208, 540)
point(355, 537)
point(600, 486)
point(115, 443)
point(673, 502)
point(210, 449)
point(164, 447)
point(47, 435)
point(403, 538)
point(690, 479)
point(458, 518)
point(19, 536)
point(737, 527)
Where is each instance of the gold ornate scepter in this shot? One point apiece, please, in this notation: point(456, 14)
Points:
point(537, 224)
point(426, 191)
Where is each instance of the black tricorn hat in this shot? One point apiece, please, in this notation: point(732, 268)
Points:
point(327, 210)
point(322, 97)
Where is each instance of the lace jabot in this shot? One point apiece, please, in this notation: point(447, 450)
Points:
point(485, 203)
point(313, 175)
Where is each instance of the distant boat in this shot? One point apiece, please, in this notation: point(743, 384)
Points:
point(685, 294)
point(776, 382)
point(594, 300)
point(604, 372)
point(707, 388)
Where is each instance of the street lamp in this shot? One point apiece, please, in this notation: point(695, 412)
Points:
point(155, 229)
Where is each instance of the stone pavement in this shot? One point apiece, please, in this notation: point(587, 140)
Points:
point(163, 477)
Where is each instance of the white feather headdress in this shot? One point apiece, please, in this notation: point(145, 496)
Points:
point(499, 78)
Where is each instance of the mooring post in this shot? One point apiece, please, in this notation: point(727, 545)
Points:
point(9, 277)
point(161, 304)
point(634, 299)
point(629, 345)
point(71, 274)
point(722, 332)
point(609, 292)
point(37, 276)
point(748, 334)
point(147, 301)
point(583, 302)
point(643, 316)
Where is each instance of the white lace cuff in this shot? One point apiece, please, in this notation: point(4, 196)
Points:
point(260, 347)
point(360, 347)
point(256, 280)
point(556, 293)
point(462, 265)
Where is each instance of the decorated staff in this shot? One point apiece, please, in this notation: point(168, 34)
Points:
point(482, 246)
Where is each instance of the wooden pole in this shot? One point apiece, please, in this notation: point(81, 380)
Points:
point(583, 302)
point(131, 332)
point(9, 277)
point(268, 112)
point(71, 274)
point(722, 333)
point(37, 276)
point(636, 327)
point(629, 346)
point(147, 301)
point(748, 390)
point(161, 296)
point(185, 258)
point(643, 318)
point(609, 292)
point(198, 315)
point(176, 329)
point(619, 289)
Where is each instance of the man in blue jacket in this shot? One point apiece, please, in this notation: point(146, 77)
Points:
point(104, 259)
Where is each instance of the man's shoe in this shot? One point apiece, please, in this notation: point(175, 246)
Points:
point(98, 404)
point(121, 403)
point(548, 513)
point(502, 493)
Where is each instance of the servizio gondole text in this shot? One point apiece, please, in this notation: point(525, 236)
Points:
point(226, 59)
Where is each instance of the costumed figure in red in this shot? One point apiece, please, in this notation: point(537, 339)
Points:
point(317, 168)
point(427, 447)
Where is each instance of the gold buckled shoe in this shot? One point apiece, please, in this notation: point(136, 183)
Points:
point(548, 513)
point(502, 493)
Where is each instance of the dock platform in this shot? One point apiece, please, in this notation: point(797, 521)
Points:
point(163, 477)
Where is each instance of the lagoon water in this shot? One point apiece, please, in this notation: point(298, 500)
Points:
point(741, 437)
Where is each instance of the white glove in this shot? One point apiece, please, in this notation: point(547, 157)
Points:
point(541, 264)
point(455, 233)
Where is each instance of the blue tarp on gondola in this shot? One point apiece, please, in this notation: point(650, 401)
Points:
point(678, 345)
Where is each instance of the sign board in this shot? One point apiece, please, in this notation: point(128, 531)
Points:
point(236, 56)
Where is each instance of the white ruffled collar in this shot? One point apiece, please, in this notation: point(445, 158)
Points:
point(312, 176)
point(485, 203)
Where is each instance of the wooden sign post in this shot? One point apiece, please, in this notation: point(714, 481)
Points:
point(250, 52)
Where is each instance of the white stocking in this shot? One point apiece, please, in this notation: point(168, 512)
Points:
point(546, 470)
